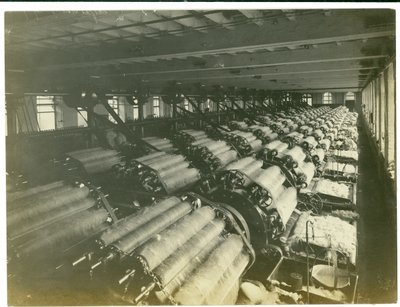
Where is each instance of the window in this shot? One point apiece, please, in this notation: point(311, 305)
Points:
point(208, 105)
point(156, 106)
point(82, 117)
point(287, 97)
point(186, 104)
point(135, 109)
point(46, 114)
point(115, 106)
point(327, 98)
point(307, 98)
point(350, 96)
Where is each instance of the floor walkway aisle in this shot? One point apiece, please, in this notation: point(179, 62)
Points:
point(376, 233)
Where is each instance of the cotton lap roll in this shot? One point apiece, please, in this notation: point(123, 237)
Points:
point(240, 164)
point(251, 168)
point(150, 156)
point(196, 289)
point(175, 263)
point(102, 165)
point(166, 163)
point(86, 157)
point(220, 150)
point(135, 238)
point(319, 154)
point(215, 145)
point(272, 180)
point(45, 204)
point(296, 153)
point(227, 157)
point(222, 292)
point(256, 145)
point(281, 147)
point(133, 222)
point(34, 191)
point(272, 136)
point(48, 217)
point(157, 249)
point(308, 169)
point(286, 203)
point(174, 285)
point(157, 159)
point(187, 177)
point(195, 133)
point(203, 142)
point(55, 237)
point(174, 169)
point(37, 198)
point(157, 142)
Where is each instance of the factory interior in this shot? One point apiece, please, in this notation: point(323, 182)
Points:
point(200, 157)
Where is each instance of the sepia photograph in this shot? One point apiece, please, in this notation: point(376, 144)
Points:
point(199, 154)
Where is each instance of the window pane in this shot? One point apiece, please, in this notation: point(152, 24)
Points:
point(44, 99)
point(350, 96)
point(156, 106)
point(156, 101)
point(156, 111)
point(135, 112)
point(45, 112)
point(45, 108)
point(327, 98)
point(114, 105)
point(46, 121)
point(82, 118)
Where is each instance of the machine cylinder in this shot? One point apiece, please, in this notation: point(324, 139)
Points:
point(133, 222)
point(134, 239)
point(169, 240)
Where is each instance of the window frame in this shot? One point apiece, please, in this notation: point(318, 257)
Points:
point(156, 107)
point(46, 101)
point(81, 116)
point(111, 102)
point(327, 98)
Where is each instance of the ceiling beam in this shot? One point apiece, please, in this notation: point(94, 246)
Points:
point(193, 22)
point(326, 55)
point(220, 19)
point(286, 76)
point(255, 16)
point(183, 55)
point(306, 30)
